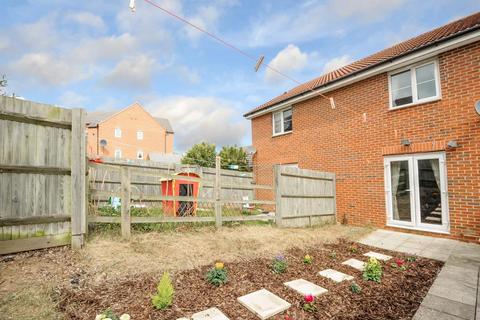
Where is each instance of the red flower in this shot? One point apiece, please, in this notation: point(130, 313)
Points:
point(399, 262)
point(309, 298)
point(287, 317)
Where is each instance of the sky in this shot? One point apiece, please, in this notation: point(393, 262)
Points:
point(100, 56)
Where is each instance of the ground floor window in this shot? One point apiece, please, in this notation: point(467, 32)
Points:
point(416, 191)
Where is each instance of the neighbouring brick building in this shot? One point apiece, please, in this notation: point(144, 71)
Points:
point(130, 133)
point(403, 135)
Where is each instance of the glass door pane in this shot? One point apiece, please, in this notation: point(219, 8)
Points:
point(429, 191)
point(400, 189)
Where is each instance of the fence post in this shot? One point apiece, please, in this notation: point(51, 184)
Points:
point(126, 221)
point(78, 171)
point(218, 203)
point(278, 195)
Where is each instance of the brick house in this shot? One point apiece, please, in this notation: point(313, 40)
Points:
point(130, 133)
point(402, 136)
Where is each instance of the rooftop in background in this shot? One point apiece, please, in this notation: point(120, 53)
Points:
point(430, 38)
point(96, 117)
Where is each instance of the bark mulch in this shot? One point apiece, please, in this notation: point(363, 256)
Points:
point(398, 296)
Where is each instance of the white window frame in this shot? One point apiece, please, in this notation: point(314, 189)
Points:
point(139, 135)
point(118, 154)
point(416, 223)
point(140, 152)
point(118, 133)
point(413, 82)
point(282, 131)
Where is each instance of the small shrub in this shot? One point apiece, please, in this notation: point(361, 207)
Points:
point(399, 264)
point(279, 264)
point(217, 275)
point(355, 288)
point(411, 259)
point(373, 270)
point(307, 259)
point(308, 303)
point(353, 248)
point(164, 297)
point(108, 314)
point(333, 255)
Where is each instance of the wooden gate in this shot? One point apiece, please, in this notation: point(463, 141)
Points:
point(42, 176)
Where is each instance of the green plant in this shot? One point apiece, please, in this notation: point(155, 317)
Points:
point(109, 314)
point(308, 303)
point(202, 154)
point(411, 259)
point(279, 264)
point(234, 157)
point(307, 259)
point(217, 275)
point(164, 297)
point(353, 248)
point(333, 255)
point(373, 270)
point(355, 288)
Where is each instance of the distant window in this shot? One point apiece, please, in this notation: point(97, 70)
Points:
point(139, 135)
point(118, 154)
point(282, 121)
point(416, 84)
point(118, 133)
point(140, 154)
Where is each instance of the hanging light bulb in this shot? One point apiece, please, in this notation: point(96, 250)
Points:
point(132, 5)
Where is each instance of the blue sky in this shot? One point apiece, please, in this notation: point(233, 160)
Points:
point(98, 55)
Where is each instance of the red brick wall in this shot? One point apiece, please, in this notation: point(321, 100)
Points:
point(340, 141)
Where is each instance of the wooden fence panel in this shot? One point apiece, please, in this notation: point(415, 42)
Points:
point(35, 174)
point(304, 197)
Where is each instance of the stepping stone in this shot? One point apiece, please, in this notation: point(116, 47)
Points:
point(354, 263)
point(335, 275)
point(378, 256)
point(305, 287)
point(209, 314)
point(264, 303)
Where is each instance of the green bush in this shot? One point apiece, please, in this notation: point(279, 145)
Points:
point(217, 276)
point(164, 297)
point(355, 288)
point(279, 264)
point(373, 270)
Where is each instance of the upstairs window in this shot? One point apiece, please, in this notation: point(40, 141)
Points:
point(282, 121)
point(140, 155)
point(139, 135)
point(118, 154)
point(414, 85)
point(118, 133)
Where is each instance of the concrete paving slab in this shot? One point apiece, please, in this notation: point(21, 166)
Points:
point(209, 314)
point(434, 254)
point(354, 263)
point(454, 308)
point(264, 303)
point(335, 275)
point(305, 287)
point(378, 256)
point(424, 313)
point(462, 294)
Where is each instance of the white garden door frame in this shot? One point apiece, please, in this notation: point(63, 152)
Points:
point(415, 208)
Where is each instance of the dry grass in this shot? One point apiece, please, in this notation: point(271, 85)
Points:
point(26, 283)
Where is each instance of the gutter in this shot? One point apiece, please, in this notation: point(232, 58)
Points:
point(457, 40)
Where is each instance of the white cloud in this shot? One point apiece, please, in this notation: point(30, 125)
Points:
point(197, 119)
point(315, 19)
point(337, 62)
point(205, 18)
point(290, 59)
point(87, 19)
point(189, 75)
point(72, 99)
point(90, 50)
point(132, 72)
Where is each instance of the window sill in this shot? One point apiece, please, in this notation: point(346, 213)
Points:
point(394, 225)
point(281, 134)
point(415, 104)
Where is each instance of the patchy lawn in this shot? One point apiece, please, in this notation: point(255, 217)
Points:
point(29, 283)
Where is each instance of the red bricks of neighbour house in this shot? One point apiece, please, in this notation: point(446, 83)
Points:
point(338, 140)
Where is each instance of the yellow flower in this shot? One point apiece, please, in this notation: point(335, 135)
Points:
point(307, 257)
point(219, 265)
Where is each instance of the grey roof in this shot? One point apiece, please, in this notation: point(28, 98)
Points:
point(94, 118)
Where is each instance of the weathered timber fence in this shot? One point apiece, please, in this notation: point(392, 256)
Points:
point(304, 197)
point(42, 176)
point(218, 202)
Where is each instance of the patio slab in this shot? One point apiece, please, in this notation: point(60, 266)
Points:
point(335, 275)
point(356, 264)
point(305, 287)
point(264, 303)
point(378, 256)
point(454, 294)
point(209, 314)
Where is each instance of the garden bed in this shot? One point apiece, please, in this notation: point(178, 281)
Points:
point(397, 296)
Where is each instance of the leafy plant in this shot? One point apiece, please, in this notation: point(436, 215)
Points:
point(217, 275)
point(234, 157)
point(333, 255)
point(411, 259)
point(399, 264)
point(202, 154)
point(164, 297)
point(355, 288)
point(307, 259)
point(308, 303)
point(279, 264)
point(353, 248)
point(109, 314)
point(373, 270)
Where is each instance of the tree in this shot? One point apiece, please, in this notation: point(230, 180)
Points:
point(202, 154)
point(234, 157)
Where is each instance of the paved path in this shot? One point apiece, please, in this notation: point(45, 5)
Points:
point(455, 294)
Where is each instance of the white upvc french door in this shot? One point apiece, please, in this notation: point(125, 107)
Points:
point(416, 192)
